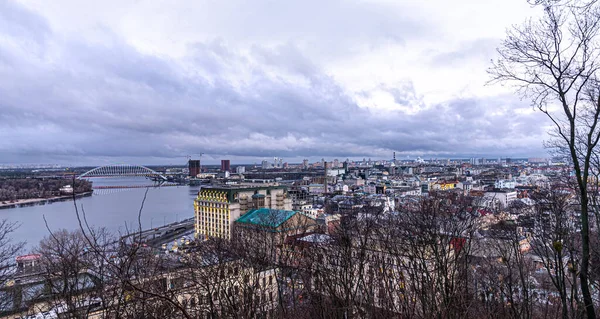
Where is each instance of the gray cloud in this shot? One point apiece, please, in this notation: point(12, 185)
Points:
point(478, 50)
point(72, 100)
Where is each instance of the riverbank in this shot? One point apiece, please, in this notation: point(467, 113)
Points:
point(40, 201)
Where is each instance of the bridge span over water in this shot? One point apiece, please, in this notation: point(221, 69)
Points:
point(123, 171)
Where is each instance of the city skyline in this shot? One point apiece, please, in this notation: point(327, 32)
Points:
point(110, 82)
point(311, 160)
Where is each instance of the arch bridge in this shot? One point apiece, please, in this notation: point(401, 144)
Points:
point(123, 170)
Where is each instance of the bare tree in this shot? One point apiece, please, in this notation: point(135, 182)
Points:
point(339, 283)
point(556, 245)
point(69, 283)
point(554, 61)
point(511, 272)
point(8, 252)
point(431, 243)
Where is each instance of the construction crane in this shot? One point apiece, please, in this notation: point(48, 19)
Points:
point(189, 158)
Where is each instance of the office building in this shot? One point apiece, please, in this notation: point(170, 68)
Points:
point(265, 164)
point(194, 167)
point(225, 166)
point(217, 207)
point(304, 164)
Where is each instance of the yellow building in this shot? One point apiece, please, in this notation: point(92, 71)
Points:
point(443, 185)
point(217, 207)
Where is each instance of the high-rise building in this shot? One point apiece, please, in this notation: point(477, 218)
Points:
point(240, 169)
point(225, 166)
point(305, 164)
point(217, 207)
point(265, 164)
point(194, 167)
point(475, 161)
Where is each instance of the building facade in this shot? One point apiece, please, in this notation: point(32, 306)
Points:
point(504, 196)
point(217, 207)
point(225, 165)
point(194, 167)
point(267, 229)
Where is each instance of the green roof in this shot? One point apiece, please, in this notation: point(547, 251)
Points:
point(266, 217)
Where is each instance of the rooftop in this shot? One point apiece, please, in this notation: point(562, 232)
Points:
point(245, 186)
point(266, 217)
point(28, 257)
point(316, 238)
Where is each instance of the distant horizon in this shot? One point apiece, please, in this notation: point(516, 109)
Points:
point(212, 163)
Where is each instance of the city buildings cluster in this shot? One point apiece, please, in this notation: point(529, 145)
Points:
point(370, 238)
point(298, 206)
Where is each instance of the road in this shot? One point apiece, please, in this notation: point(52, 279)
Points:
point(158, 236)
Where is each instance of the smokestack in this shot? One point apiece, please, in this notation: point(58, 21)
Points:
point(325, 179)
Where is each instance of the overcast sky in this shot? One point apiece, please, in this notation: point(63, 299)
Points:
point(143, 82)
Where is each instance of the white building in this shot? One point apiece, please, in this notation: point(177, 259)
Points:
point(503, 196)
point(311, 211)
point(505, 183)
point(336, 172)
point(265, 164)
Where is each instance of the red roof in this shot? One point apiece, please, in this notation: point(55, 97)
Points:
point(484, 212)
point(458, 243)
point(28, 257)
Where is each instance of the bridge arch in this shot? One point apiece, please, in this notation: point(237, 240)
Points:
point(122, 170)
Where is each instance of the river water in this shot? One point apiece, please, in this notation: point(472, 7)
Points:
point(115, 209)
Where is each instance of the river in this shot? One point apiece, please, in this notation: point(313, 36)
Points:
point(117, 210)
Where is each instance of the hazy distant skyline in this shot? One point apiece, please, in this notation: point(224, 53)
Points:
point(149, 82)
point(217, 162)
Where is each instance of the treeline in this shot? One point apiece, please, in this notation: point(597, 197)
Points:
point(28, 188)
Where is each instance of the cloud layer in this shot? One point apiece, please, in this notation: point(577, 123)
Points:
point(151, 82)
